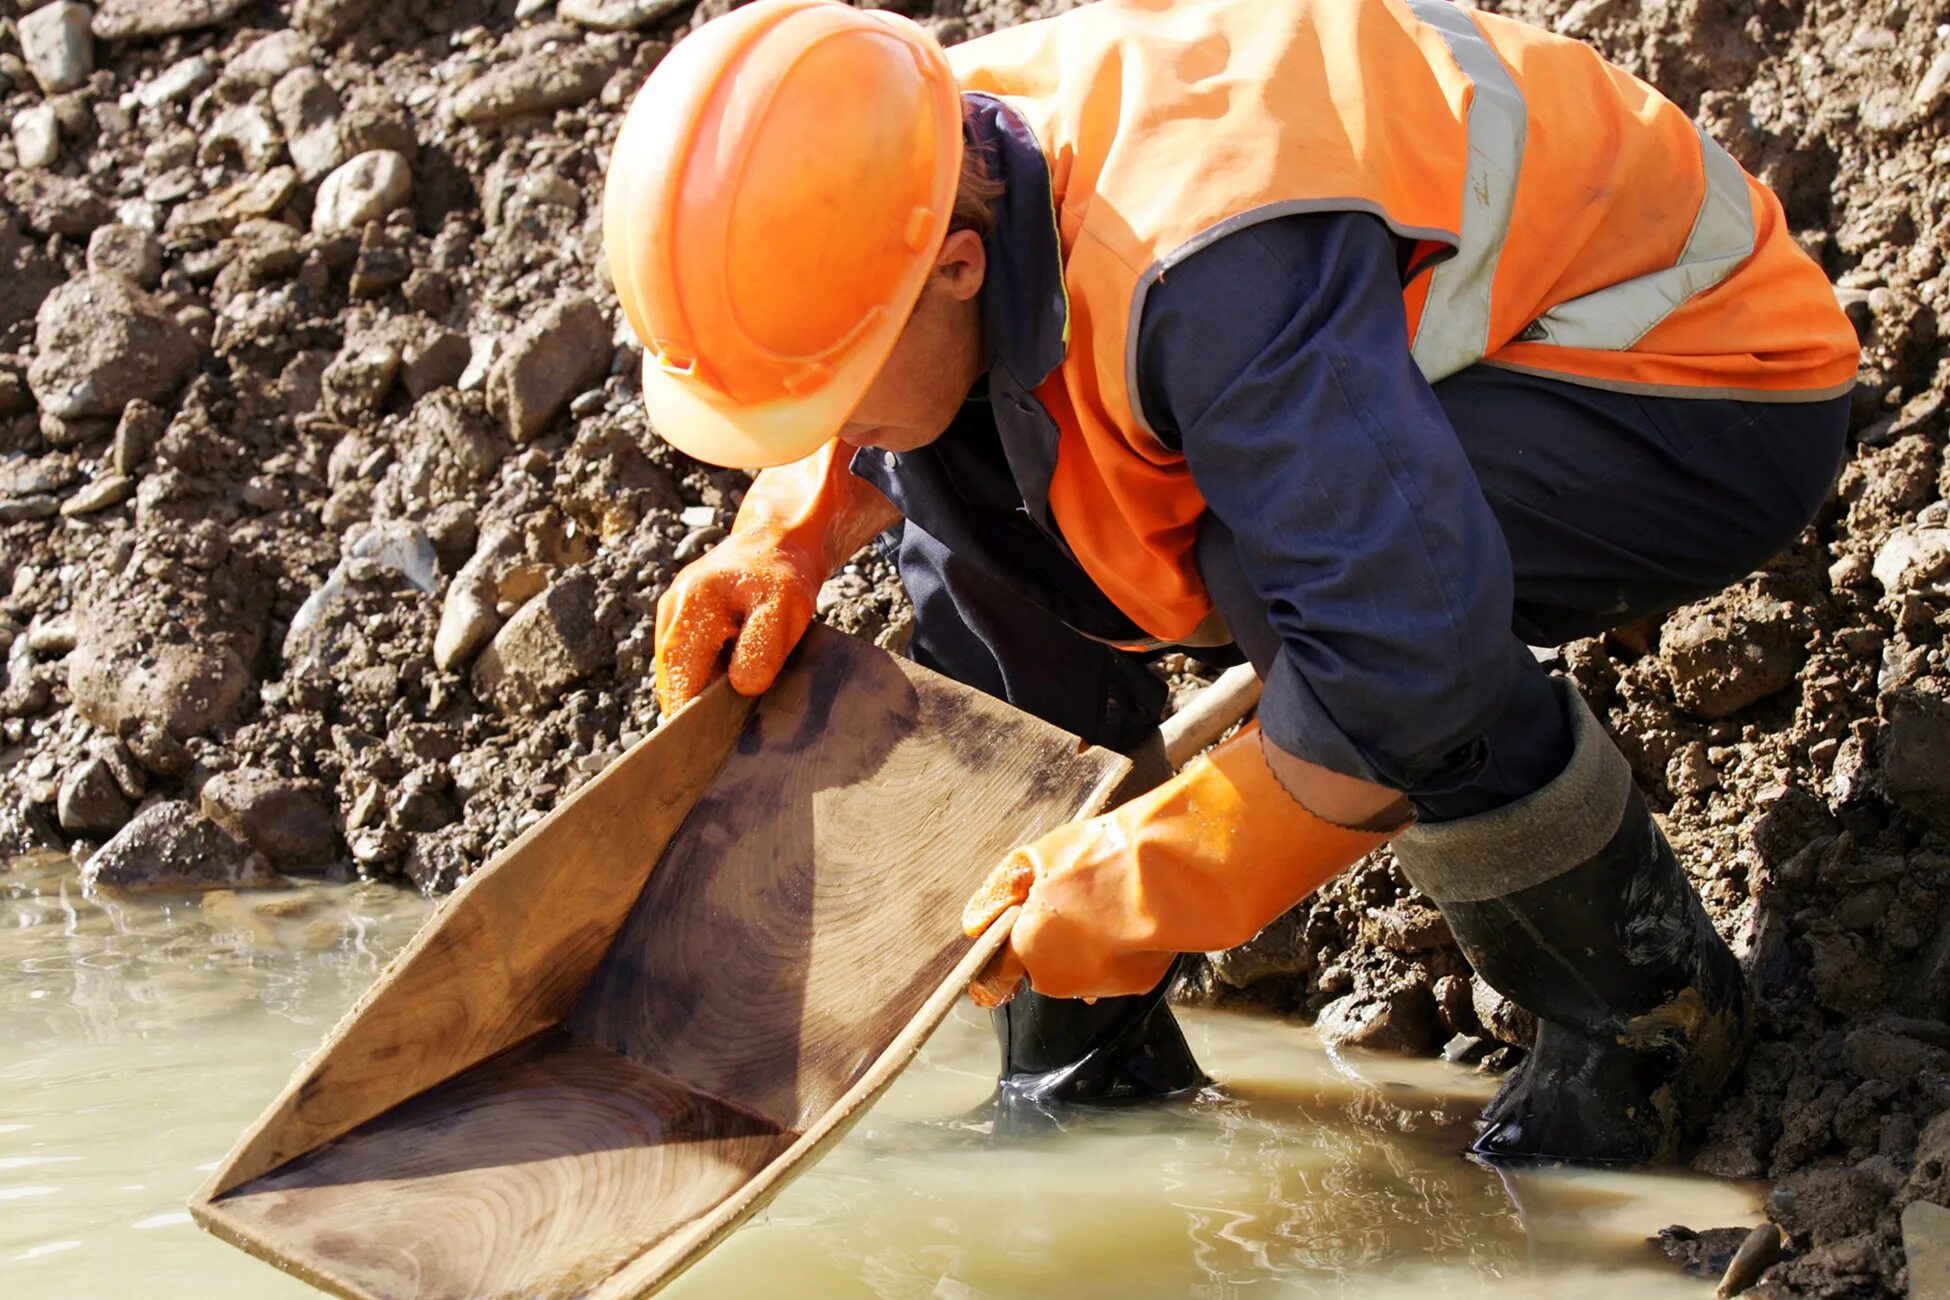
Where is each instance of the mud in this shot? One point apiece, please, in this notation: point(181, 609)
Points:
point(329, 526)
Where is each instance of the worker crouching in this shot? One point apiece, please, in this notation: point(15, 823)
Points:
point(1371, 341)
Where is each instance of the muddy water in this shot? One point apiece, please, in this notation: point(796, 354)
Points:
point(138, 1038)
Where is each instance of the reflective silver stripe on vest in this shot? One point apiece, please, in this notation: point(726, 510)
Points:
point(1455, 327)
point(1722, 237)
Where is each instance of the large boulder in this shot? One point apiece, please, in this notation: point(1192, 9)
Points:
point(101, 343)
point(173, 846)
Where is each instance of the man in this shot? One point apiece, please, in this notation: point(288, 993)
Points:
point(1373, 339)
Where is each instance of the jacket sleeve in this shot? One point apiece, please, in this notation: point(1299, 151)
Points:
point(1277, 359)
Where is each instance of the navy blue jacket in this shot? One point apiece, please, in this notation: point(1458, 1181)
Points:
point(1277, 360)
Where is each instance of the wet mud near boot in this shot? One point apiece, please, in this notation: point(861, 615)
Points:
point(155, 1030)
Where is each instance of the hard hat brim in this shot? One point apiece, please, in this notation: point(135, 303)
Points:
point(757, 436)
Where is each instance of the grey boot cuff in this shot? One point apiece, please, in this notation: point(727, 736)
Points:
point(1535, 839)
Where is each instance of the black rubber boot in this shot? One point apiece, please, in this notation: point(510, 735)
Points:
point(1643, 1014)
point(1059, 1052)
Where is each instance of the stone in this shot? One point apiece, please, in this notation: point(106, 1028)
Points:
point(56, 205)
point(1759, 1251)
point(129, 671)
point(1731, 651)
point(91, 803)
point(38, 476)
point(141, 424)
point(1825, 1205)
point(1399, 1019)
point(468, 621)
point(1913, 750)
point(562, 350)
point(266, 60)
point(365, 189)
point(1926, 1246)
point(129, 251)
point(1914, 559)
point(1406, 928)
point(24, 509)
point(542, 82)
point(178, 81)
point(37, 137)
point(170, 845)
point(59, 46)
point(1790, 819)
point(1880, 1055)
point(1505, 1020)
point(433, 361)
point(251, 199)
point(618, 15)
point(102, 343)
point(552, 643)
point(330, 20)
point(289, 821)
point(246, 134)
point(357, 382)
point(1278, 952)
point(308, 113)
point(125, 20)
point(104, 493)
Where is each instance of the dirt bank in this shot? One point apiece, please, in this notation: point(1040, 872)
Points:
point(325, 509)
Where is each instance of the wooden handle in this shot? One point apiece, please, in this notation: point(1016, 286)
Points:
point(1210, 713)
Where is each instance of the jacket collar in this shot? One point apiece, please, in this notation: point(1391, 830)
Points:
point(1025, 306)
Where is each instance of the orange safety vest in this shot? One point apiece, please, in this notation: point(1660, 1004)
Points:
point(1570, 221)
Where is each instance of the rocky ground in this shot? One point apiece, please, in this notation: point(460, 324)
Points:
point(329, 531)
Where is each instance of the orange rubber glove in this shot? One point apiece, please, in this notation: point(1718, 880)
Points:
point(755, 590)
point(1203, 862)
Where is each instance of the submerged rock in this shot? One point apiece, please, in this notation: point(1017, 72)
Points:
point(171, 845)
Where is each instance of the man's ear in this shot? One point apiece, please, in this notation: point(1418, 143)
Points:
point(963, 264)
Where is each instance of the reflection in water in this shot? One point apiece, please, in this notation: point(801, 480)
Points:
point(143, 1035)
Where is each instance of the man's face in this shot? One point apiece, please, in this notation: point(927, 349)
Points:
point(940, 354)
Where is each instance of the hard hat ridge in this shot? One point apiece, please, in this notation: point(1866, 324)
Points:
point(774, 203)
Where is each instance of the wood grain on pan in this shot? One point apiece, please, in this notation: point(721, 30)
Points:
point(810, 904)
point(794, 944)
point(508, 953)
point(536, 1174)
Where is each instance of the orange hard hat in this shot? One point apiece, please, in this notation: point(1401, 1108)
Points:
point(774, 204)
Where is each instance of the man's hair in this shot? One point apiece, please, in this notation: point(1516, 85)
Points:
point(976, 193)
